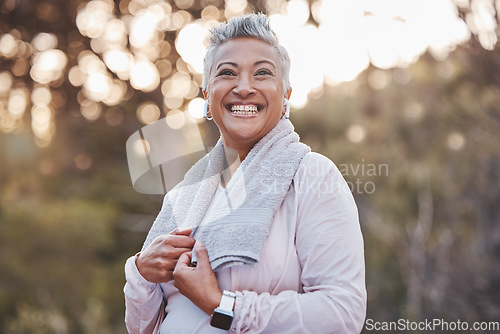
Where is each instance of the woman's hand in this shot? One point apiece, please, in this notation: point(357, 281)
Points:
point(157, 262)
point(199, 283)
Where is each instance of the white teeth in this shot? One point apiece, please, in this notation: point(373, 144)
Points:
point(244, 109)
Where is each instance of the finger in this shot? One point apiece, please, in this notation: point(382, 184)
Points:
point(158, 240)
point(181, 231)
point(184, 259)
point(173, 235)
point(180, 241)
point(202, 255)
point(177, 252)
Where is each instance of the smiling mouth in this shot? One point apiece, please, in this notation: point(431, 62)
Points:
point(244, 109)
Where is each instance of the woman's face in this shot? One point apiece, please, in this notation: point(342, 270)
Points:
point(245, 91)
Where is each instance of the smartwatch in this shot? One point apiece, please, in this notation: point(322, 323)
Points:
point(223, 315)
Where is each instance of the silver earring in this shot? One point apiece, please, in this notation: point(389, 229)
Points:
point(205, 111)
point(287, 109)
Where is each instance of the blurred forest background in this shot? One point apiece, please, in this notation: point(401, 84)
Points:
point(415, 135)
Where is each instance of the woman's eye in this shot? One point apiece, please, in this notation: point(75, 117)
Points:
point(226, 72)
point(264, 72)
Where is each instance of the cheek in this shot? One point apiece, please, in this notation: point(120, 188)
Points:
point(217, 91)
point(273, 89)
point(275, 97)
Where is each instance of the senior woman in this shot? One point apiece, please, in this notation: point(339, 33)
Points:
point(262, 235)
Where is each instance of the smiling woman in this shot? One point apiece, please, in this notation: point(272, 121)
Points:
point(245, 92)
point(250, 241)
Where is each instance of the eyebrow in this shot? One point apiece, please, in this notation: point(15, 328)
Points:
point(236, 65)
point(226, 63)
point(266, 62)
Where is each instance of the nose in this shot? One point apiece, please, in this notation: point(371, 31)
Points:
point(244, 86)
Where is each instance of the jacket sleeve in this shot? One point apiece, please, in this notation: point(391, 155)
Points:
point(331, 253)
point(144, 302)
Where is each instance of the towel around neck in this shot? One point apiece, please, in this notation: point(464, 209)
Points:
point(260, 182)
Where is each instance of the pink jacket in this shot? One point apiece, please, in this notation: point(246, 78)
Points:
point(310, 279)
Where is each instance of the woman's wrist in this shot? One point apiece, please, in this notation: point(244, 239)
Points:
point(138, 265)
point(213, 302)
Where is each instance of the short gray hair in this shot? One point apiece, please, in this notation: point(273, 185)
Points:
point(249, 25)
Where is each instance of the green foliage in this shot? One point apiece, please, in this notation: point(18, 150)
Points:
point(54, 266)
point(430, 227)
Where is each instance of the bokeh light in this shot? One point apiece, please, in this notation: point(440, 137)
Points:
point(20, 67)
point(148, 112)
point(116, 93)
point(141, 147)
point(414, 111)
point(378, 79)
point(135, 43)
point(8, 46)
point(195, 108)
point(482, 22)
point(190, 43)
point(175, 119)
point(356, 133)
point(17, 102)
point(456, 141)
point(210, 13)
point(119, 61)
point(42, 124)
point(234, 7)
point(97, 85)
point(5, 82)
point(83, 161)
point(41, 95)
point(48, 66)
point(115, 33)
point(143, 26)
point(75, 76)
point(90, 110)
point(92, 19)
point(349, 37)
point(44, 41)
point(144, 75)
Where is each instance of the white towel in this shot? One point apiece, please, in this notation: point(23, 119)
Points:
point(264, 176)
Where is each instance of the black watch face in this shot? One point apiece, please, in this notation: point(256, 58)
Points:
point(221, 320)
